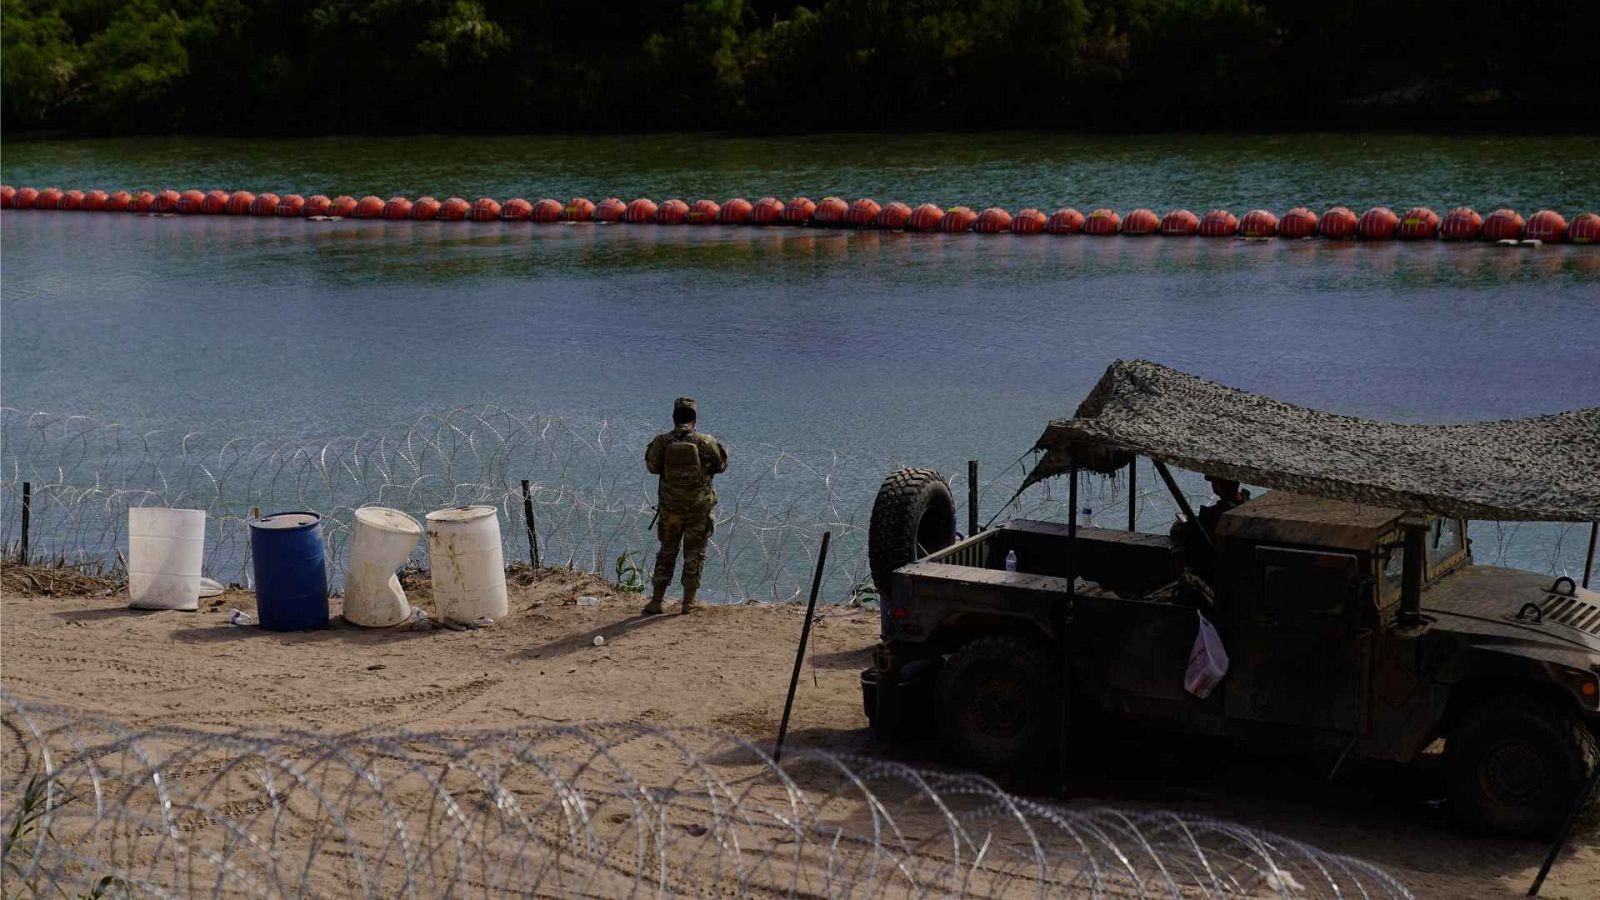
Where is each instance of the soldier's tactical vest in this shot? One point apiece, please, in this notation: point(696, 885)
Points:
point(684, 483)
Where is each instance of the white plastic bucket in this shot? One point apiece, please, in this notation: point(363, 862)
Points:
point(165, 547)
point(469, 571)
point(383, 539)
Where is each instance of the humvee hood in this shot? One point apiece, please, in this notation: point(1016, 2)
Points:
point(1508, 603)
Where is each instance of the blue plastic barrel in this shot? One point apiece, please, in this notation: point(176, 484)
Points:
point(291, 574)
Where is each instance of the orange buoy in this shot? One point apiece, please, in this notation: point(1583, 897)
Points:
point(369, 207)
point(484, 209)
point(425, 209)
point(8, 195)
point(1065, 220)
point(94, 201)
point(734, 212)
point(453, 209)
point(546, 209)
point(144, 201)
point(396, 208)
point(1141, 222)
point(672, 212)
point(863, 212)
point(1218, 223)
point(1258, 223)
point(25, 199)
point(1297, 223)
point(118, 201)
point(290, 206)
point(703, 212)
point(767, 211)
point(611, 209)
point(239, 203)
point(189, 202)
point(1418, 224)
point(71, 201)
point(799, 211)
point(895, 215)
point(1502, 225)
point(1377, 224)
point(342, 206)
point(958, 219)
point(578, 209)
point(264, 205)
point(1338, 223)
point(215, 203)
point(1460, 224)
point(1179, 223)
point(516, 210)
point(164, 202)
point(830, 212)
point(641, 211)
point(925, 217)
point(993, 220)
point(1585, 229)
point(317, 205)
point(1102, 222)
point(1028, 221)
point(47, 198)
point(1546, 225)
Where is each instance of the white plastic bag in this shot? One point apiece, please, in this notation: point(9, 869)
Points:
point(1208, 661)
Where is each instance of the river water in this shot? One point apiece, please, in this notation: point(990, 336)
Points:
point(871, 347)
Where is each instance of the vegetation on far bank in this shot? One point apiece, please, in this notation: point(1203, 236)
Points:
point(283, 67)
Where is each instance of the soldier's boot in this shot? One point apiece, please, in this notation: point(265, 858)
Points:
point(654, 607)
point(690, 604)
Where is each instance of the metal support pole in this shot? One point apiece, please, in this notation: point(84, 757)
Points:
point(1133, 494)
point(800, 651)
point(1183, 502)
point(1058, 619)
point(533, 532)
point(1588, 560)
point(1566, 829)
point(972, 497)
point(27, 516)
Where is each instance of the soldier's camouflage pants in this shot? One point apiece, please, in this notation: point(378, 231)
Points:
point(694, 531)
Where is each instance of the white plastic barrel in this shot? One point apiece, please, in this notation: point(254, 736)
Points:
point(165, 547)
point(469, 571)
point(383, 539)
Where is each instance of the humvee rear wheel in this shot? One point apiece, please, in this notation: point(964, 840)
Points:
point(997, 704)
point(912, 516)
point(1516, 764)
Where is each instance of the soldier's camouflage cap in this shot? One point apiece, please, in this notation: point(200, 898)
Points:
point(684, 403)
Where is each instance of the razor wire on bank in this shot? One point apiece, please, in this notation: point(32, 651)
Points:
point(97, 808)
point(591, 500)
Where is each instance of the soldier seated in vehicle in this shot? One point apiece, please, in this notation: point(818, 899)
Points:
point(1196, 538)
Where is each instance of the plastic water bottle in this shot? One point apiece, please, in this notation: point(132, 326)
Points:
point(587, 600)
point(599, 640)
point(238, 617)
point(1011, 560)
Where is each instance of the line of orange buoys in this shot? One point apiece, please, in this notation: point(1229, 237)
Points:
point(1338, 223)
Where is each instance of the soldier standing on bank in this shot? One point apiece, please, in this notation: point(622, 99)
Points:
point(686, 460)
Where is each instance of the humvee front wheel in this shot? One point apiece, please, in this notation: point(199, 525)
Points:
point(912, 516)
point(997, 704)
point(1516, 765)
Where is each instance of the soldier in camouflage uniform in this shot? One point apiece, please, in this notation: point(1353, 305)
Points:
point(686, 460)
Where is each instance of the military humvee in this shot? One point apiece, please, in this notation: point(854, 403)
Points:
point(1360, 628)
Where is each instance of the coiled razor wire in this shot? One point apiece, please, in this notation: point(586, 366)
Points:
point(618, 810)
point(593, 501)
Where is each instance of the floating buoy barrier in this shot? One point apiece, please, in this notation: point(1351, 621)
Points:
point(863, 213)
point(734, 212)
point(1377, 224)
point(1461, 224)
point(1180, 223)
point(1028, 221)
point(1418, 224)
point(1297, 223)
point(1258, 223)
point(1546, 225)
point(1380, 223)
point(1141, 223)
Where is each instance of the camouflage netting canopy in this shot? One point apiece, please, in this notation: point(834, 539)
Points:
point(1545, 468)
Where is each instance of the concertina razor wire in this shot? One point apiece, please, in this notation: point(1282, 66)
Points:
point(592, 499)
point(98, 808)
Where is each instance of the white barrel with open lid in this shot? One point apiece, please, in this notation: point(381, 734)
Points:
point(165, 547)
point(469, 569)
point(372, 594)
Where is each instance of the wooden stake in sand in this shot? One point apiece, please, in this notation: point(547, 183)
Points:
point(800, 651)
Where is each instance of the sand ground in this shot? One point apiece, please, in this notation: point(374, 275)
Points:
point(726, 667)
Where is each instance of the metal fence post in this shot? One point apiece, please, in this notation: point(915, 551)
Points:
point(533, 532)
point(972, 497)
point(27, 515)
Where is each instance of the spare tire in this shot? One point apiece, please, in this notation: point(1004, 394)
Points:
point(912, 516)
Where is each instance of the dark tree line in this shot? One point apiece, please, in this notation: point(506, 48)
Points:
point(311, 66)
